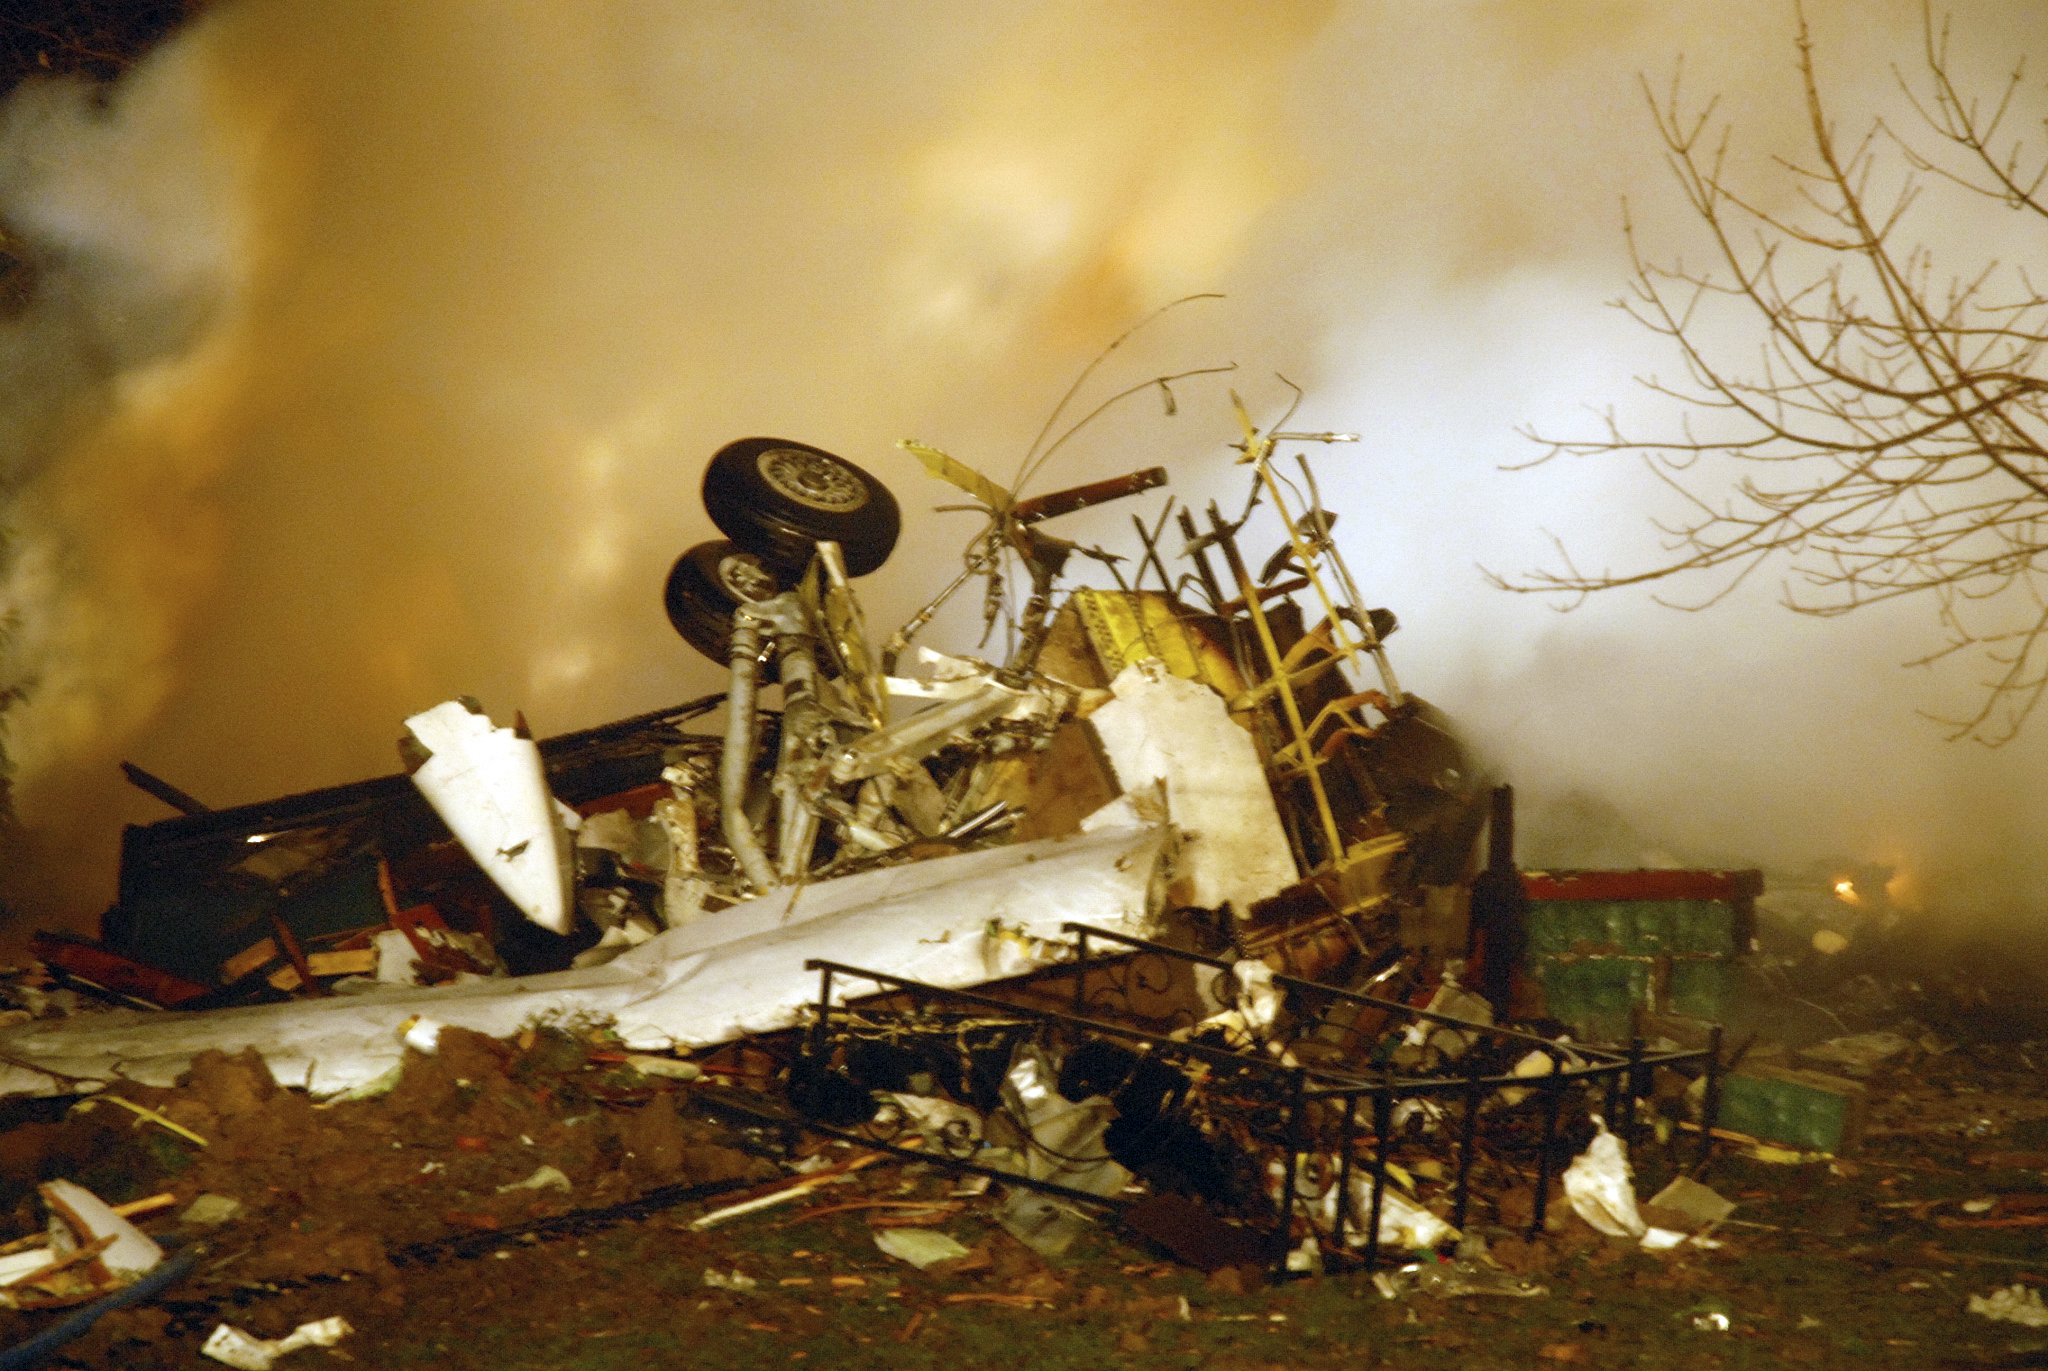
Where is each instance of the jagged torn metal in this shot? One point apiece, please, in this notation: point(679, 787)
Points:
point(736, 972)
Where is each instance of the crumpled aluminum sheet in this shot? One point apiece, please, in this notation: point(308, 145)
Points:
point(734, 973)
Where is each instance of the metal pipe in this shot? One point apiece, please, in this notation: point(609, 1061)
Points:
point(1051, 506)
point(1383, 1149)
point(1290, 1174)
point(683, 885)
point(802, 718)
point(922, 733)
point(978, 822)
point(1710, 1112)
point(1467, 1139)
point(1551, 1089)
point(1037, 618)
point(978, 562)
point(1635, 1088)
point(1198, 553)
point(1081, 974)
point(736, 763)
point(1610, 1107)
point(1348, 1139)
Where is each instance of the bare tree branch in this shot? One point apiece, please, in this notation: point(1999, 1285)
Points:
point(1891, 424)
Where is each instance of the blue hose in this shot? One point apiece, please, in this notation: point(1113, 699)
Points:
point(147, 1286)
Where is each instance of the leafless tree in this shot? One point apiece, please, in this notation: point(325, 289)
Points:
point(1888, 436)
point(98, 39)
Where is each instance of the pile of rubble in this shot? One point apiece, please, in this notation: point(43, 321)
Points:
point(1196, 757)
point(1171, 916)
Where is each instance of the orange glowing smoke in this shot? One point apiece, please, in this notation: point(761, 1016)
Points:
point(480, 286)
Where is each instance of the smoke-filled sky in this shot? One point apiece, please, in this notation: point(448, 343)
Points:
point(378, 348)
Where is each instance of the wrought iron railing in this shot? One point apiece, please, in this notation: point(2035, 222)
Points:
point(1280, 1113)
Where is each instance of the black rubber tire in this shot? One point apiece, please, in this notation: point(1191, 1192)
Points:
point(776, 498)
point(700, 597)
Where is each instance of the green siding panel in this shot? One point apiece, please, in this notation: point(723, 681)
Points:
point(1633, 928)
point(1593, 994)
point(1703, 988)
point(1801, 1109)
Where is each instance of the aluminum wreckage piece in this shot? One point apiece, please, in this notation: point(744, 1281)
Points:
point(489, 787)
point(1135, 923)
point(1174, 762)
point(833, 739)
point(956, 921)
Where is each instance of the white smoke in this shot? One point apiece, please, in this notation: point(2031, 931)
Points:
point(119, 203)
point(380, 347)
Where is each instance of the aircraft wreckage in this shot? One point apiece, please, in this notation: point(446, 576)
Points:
point(1188, 876)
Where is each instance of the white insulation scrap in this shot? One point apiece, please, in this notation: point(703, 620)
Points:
point(2016, 1303)
point(1597, 1183)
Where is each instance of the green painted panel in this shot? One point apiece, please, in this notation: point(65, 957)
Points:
point(1593, 994)
point(1796, 1108)
point(1703, 928)
point(1702, 987)
point(1634, 928)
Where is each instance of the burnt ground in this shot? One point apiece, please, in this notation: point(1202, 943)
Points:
point(392, 1213)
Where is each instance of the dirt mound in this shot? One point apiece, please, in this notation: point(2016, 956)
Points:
point(480, 1135)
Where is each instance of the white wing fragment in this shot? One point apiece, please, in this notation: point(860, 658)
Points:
point(490, 788)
